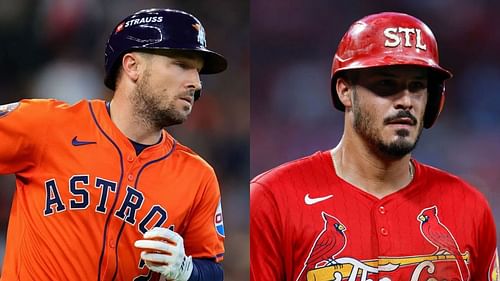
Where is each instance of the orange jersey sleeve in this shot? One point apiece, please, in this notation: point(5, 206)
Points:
point(206, 222)
point(22, 133)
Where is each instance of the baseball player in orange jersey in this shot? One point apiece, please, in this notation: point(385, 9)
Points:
point(366, 210)
point(103, 192)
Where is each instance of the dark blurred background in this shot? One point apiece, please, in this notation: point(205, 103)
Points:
point(55, 49)
point(292, 46)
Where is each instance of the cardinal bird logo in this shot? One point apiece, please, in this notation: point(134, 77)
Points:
point(329, 243)
point(440, 236)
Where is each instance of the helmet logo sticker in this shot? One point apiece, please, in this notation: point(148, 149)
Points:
point(143, 20)
point(119, 27)
point(393, 35)
point(201, 33)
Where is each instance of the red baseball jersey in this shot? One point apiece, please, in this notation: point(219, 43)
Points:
point(308, 224)
point(83, 196)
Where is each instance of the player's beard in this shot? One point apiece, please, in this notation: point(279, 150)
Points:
point(364, 125)
point(151, 108)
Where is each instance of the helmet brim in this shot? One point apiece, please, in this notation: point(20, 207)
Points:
point(212, 62)
point(396, 61)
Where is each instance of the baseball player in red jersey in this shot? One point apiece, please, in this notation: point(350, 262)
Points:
point(366, 210)
point(103, 191)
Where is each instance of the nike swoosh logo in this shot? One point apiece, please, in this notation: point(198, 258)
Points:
point(76, 142)
point(311, 201)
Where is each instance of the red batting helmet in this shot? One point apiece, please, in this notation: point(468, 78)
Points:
point(387, 39)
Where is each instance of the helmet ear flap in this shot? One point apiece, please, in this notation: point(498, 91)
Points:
point(435, 102)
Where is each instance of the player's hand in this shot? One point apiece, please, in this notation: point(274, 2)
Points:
point(163, 252)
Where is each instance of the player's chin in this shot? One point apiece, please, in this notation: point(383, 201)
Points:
point(182, 117)
point(402, 136)
point(183, 105)
point(183, 111)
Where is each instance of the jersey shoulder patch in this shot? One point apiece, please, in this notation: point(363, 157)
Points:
point(218, 220)
point(8, 108)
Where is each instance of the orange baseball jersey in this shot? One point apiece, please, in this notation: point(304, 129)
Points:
point(83, 197)
point(308, 224)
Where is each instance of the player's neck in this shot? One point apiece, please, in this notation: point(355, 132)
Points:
point(376, 175)
point(125, 118)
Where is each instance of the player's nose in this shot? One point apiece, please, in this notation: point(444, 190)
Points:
point(403, 100)
point(194, 81)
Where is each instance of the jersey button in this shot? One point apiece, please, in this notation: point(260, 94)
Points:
point(130, 158)
point(111, 243)
point(382, 210)
point(384, 231)
point(130, 177)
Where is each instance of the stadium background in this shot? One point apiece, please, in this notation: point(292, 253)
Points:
point(292, 46)
point(55, 49)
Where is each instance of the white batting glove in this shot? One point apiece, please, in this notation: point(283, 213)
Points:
point(164, 253)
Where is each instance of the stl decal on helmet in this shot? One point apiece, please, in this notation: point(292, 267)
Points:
point(394, 39)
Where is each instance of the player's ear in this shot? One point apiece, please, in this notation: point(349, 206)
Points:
point(130, 66)
point(344, 91)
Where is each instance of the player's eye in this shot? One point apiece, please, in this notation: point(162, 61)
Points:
point(181, 64)
point(385, 87)
point(386, 84)
point(417, 86)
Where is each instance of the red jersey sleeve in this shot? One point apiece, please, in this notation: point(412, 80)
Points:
point(487, 248)
point(204, 234)
point(266, 262)
point(22, 134)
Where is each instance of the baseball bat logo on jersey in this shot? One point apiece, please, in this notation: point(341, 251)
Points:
point(218, 220)
point(8, 108)
point(327, 259)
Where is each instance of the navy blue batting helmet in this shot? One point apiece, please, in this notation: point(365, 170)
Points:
point(159, 29)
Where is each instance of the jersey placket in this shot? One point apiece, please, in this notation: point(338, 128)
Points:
point(119, 214)
point(380, 214)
